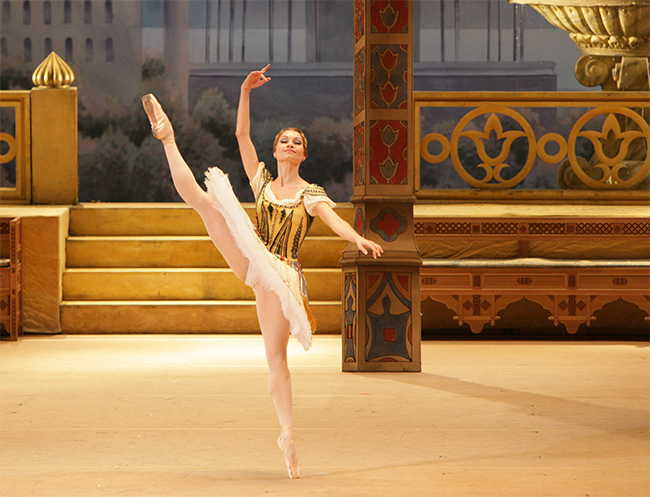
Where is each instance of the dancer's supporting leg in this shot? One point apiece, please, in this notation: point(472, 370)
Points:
point(275, 327)
point(275, 330)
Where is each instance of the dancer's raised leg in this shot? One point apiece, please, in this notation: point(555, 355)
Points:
point(275, 330)
point(191, 192)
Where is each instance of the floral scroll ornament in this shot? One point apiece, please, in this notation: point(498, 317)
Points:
point(388, 144)
point(389, 76)
point(389, 137)
point(493, 166)
point(389, 16)
point(388, 60)
point(612, 167)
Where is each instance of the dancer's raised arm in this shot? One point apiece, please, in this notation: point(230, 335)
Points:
point(246, 148)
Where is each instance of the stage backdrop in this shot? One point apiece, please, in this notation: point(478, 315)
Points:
point(193, 54)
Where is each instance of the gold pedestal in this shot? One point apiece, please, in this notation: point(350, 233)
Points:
point(55, 178)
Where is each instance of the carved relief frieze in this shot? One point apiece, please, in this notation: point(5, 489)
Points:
point(571, 295)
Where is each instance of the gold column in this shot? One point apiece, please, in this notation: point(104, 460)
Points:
point(381, 298)
point(55, 179)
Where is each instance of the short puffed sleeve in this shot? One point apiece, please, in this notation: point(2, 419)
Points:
point(314, 194)
point(261, 178)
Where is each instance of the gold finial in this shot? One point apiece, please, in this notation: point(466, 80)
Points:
point(53, 72)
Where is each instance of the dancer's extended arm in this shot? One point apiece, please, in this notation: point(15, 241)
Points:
point(243, 132)
point(344, 230)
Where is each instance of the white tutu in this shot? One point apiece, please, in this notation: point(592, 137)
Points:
point(276, 275)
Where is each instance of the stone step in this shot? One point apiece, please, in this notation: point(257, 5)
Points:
point(168, 219)
point(118, 284)
point(178, 317)
point(179, 251)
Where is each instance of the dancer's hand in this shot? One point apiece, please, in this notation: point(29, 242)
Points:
point(364, 245)
point(256, 79)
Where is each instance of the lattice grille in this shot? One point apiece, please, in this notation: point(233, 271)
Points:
point(453, 228)
point(636, 229)
point(593, 228)
point(546, 228)
point(499, 228)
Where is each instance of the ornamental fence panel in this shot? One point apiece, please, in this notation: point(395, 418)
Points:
point(532, 145)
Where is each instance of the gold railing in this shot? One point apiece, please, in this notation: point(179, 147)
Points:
point(532, 146)
point(38, 138)
point(15, 147)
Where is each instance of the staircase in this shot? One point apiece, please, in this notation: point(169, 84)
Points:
point(151, 268)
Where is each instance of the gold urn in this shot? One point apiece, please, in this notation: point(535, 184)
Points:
point(613, 36)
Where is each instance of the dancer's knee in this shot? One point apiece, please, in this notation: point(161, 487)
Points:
point(278, 363)
point(279, 379)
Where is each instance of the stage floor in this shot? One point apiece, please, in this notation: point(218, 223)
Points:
point(140, 416)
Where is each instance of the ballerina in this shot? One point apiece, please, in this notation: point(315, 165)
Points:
point(265, 257)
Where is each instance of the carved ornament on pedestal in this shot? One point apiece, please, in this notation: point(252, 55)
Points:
point(613, 36)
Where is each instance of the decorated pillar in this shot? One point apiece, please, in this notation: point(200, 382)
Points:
point(381, 298)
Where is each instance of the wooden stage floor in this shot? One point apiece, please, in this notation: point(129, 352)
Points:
point(140, 416)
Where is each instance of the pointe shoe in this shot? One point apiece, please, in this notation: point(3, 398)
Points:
point(285, 441)
point(160, 124)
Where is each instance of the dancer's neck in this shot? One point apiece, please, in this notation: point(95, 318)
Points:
point(288, 175)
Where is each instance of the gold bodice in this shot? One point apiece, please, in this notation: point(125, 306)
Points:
point(283, 228)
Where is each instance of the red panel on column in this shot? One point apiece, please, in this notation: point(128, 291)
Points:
point(389, 16)
point(388, 142)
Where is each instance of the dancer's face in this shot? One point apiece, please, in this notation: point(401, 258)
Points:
point(290, 145)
